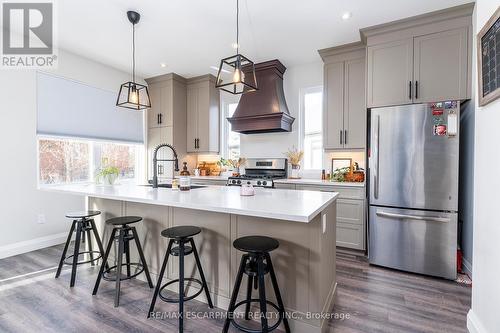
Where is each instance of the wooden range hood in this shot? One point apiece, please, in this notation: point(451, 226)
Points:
point(264, 110)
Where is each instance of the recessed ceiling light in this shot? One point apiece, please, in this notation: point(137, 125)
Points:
point(346, 16)
point(163, 65)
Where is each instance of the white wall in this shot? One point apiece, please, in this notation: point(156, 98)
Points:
point(20, 201)
point(484, 316)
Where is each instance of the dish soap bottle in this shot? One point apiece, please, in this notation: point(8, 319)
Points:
point(184, 180)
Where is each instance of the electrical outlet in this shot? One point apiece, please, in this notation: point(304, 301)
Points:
point(41, 219)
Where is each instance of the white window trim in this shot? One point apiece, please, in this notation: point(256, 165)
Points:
point(302, 93)
point(225, 100)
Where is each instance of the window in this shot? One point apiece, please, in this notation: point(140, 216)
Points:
point(312, 127)
point(69, 160)
point(230, 139)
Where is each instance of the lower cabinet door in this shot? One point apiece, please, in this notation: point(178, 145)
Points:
point(350, 223)
point(350, 236)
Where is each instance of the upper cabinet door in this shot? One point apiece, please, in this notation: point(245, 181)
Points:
point(192, 118)
point(333, 120)
point(390, 73)
point(440, 66)
point(354, 104)
point(154, 111)
point(203, 117)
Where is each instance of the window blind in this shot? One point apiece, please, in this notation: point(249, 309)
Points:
point(71, 109)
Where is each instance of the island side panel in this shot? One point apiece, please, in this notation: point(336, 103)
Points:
point(155, 219)
point(214, 247)
point(323, 270)
point(304, 263)
point(108, 209)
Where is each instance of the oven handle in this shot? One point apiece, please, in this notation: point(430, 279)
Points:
point(413, 217)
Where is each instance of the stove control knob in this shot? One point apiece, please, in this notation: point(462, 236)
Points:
point(258, 183)
point(233, 181)
point(239, 182)
point(264, 183)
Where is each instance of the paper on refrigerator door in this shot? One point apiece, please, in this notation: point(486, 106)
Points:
point(452, 123)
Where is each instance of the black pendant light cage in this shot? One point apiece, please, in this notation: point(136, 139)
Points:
point(236, 74)
point(133, 95)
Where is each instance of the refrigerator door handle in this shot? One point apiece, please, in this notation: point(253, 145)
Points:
point(413, 217)
point(376, 157)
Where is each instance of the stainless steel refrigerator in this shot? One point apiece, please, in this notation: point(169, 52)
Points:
point(413, 188)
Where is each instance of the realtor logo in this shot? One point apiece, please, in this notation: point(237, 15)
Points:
point(28, 35)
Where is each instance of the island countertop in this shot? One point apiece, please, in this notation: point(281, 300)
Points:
point(290, 205)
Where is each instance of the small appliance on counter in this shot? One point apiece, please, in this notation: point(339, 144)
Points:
point(247, 190)
point(261, 172)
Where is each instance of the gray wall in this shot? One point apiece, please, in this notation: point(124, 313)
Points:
point(466, 197)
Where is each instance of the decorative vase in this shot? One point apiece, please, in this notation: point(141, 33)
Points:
point(295, 171)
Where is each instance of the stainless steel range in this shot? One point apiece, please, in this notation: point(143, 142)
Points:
point(261, 172)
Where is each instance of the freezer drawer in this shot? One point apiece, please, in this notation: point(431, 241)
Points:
point(415, 241)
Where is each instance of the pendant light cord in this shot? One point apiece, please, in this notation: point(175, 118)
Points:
point(133, 52)
point(237, 26)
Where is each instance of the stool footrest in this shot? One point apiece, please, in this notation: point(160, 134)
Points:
point(250, 330)
point(82, 262)
point(106, 274)
point(186, 298)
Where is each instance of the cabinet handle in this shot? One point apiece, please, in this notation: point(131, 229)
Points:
point(160, 118)
point(194, 143)
point(416, 89)
point(409, 90)
point(341, 137)
point(198, 143)
point(345, 136)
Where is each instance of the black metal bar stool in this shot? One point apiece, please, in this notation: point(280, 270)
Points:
point(256, 263)
point(180, 235)
point(126, 233)
point(83, 224)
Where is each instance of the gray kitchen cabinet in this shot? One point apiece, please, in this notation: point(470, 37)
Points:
point(344, 119)
point(354, 104)
point(440, 66)
point(390, 73)
point(333, 127)
point(421, 59)
point(161, 112)
point(166, 121)
point(203, 108)
point(351, 220)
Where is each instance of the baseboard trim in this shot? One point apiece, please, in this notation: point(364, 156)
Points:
point(467, 267)
point(473, 323)
point(32, 245)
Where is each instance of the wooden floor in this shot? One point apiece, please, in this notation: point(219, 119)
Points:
point(369, 299)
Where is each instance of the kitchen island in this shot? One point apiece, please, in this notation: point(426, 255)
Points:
point(302, 221)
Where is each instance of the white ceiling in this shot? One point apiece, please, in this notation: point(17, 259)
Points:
point(189, 36)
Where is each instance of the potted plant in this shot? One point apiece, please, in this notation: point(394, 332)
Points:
point(294, 157)
point(107, 175)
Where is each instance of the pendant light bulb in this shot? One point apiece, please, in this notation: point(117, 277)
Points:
point(134, 96)
point(237, 75)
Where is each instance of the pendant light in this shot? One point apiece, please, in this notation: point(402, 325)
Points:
point(133, 95)
point(236, 74)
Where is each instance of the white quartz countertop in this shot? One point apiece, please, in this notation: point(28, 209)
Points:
point(291, 205)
